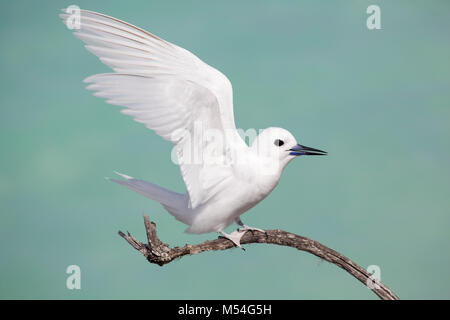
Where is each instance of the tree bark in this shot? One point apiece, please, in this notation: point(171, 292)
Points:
point(158, 252)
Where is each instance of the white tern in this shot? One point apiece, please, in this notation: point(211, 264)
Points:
point(190, 104)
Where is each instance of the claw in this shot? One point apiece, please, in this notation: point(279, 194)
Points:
point(247, 228)
point(235, 237)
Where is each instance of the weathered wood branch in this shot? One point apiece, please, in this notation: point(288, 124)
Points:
point(158, 252)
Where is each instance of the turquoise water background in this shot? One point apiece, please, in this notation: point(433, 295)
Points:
point(376, 100)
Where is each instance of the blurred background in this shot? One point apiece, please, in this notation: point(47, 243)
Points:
point(376, 100)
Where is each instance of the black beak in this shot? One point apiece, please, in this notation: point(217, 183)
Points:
point(300, 150)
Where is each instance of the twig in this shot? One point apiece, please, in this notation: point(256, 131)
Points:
point(160, 253)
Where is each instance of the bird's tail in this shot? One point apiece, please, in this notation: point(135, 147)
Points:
point(173, 202)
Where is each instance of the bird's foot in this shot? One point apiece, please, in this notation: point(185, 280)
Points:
point(245, 228)
point(235, 237)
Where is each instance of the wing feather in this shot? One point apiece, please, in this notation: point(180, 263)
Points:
point(165, 87)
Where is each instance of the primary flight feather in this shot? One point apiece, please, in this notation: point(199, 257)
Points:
point(190, 104)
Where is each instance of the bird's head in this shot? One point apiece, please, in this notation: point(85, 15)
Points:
point(278, 146)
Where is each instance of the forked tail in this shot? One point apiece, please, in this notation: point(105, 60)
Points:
point(175, 203)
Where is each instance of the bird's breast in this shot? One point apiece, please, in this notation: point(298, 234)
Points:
point(258, 180)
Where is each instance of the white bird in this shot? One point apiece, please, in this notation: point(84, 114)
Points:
point(174, 93)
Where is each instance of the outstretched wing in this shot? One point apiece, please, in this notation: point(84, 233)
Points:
point(171, 91)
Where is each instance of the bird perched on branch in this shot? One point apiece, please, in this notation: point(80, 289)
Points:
point(190, 104)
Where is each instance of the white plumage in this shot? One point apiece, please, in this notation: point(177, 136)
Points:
point(178, 96)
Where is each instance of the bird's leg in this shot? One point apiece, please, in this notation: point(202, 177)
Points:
point(245, 227)
point(235, 237)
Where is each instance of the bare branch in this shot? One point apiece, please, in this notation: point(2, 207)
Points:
point(160, 253)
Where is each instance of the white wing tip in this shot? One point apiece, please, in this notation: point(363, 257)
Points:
point(123, 175)
point(88, 79)
point(92, 78)
point(95, 77)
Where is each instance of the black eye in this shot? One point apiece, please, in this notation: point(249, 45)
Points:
point(278, 142)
